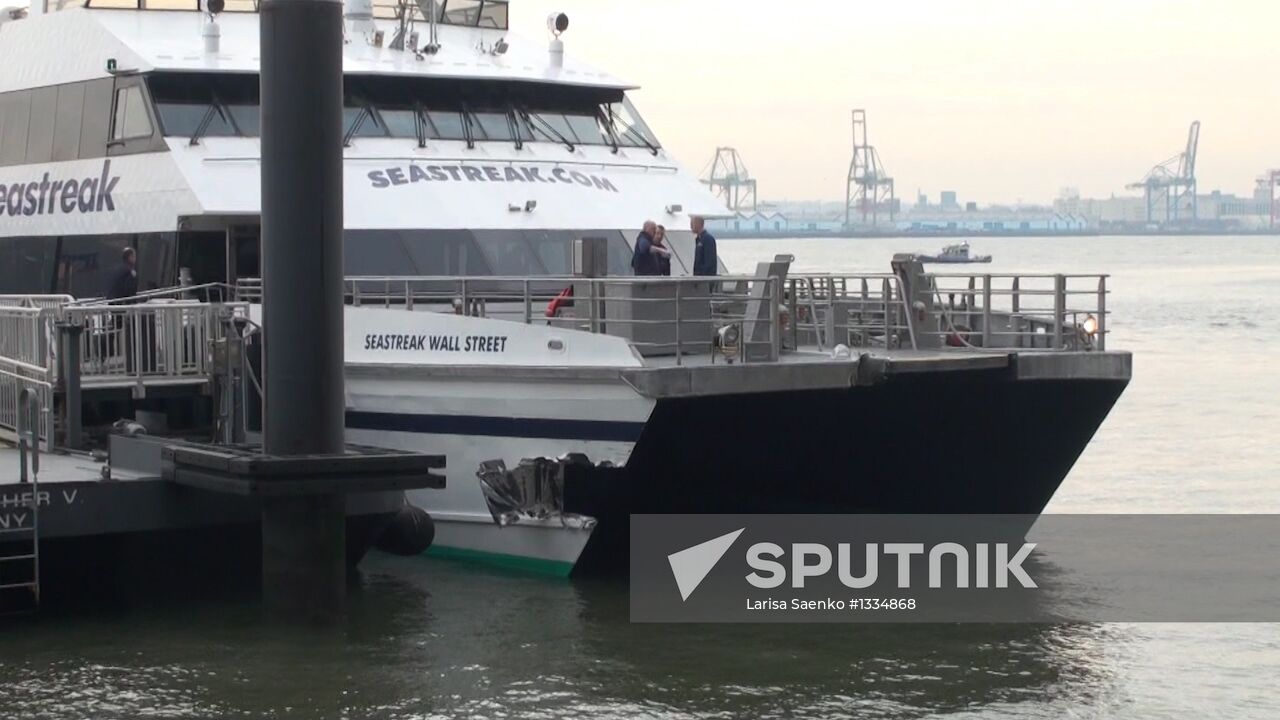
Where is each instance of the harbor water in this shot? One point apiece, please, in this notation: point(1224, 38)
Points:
point(428, 638)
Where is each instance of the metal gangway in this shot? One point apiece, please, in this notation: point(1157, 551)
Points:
point(52, 345)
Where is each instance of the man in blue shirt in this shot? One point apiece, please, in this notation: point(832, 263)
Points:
point(704, 249)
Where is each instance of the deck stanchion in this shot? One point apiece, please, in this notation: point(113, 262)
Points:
point(986, 311)
point(1059, 309)
point(1102, 313)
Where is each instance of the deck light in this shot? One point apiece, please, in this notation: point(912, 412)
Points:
point(674, 208)
point(1091, 325)
point(557, 23)
point(727, 338)
point(530, 205)
point(501, 47)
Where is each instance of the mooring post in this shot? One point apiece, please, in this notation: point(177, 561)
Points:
point(303, 538)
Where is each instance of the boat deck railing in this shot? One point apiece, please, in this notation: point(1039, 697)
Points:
point(1021, 311)
point(855, 310)
point(733, 317)
point(690, 315)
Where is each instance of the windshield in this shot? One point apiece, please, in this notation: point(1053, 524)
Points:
point(424, 109)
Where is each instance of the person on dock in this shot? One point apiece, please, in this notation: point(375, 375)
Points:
point(704, 248)
point(644, 261)
point(124, 283)
point(664, 259)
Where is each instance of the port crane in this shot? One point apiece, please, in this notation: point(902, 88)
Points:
point(869, 187)
point(1170, 187)
point(1271, 183)
point(728, 178)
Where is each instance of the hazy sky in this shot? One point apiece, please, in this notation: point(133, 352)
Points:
point(999, 100)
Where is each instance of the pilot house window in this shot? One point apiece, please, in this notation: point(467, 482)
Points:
point(131, 119)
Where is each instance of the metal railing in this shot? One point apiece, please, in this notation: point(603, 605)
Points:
point(35, 301)
point(868, 310)
point(26, 363)
point(120, 345)
point(734, 317)
point(1021, 311)
point(17, 379)
point(150, 343)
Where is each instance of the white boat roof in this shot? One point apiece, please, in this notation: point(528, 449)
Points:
point(74, 44)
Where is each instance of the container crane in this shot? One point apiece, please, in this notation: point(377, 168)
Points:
point(869, 187)
point(727, 177)
point(1170, 187)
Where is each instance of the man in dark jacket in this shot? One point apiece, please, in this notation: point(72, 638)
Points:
point(704, 249)
point(125, 282)
point(644, 261)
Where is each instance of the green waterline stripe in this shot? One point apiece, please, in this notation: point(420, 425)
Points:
point(540, 566)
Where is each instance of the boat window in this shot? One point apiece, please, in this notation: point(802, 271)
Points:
point(556, 113)
point(587, 129)
point(554, 249)
point(183, 119)
point(26, 264)
point(547, 125)
point(95, 124)
point(16, 109)
point(87, 263)
point(246, 118)
point(374, 252)
point(448, 125)
point(131, 120)
point(681, 244)
point(362, 122)
point(629, 126)
point(494, 15)
point(399, 253)
point(400, 123)
point(493, 126)
point(620, 250)
point(462, 12)
point(66, 122)
point(508, 253)
point(44, 108)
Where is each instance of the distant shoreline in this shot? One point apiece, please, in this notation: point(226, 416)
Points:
point(846, 235)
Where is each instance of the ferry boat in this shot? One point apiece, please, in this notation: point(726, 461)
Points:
point(493, 186)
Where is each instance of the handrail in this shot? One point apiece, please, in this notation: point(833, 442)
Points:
point(991, 310)
point(871, 309)
point(179, 292)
